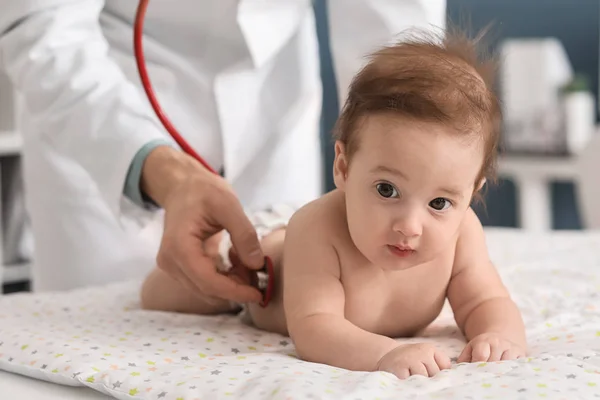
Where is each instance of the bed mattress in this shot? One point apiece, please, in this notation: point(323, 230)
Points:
point(99, 338)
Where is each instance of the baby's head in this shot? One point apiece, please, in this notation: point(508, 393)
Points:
point(415, 143)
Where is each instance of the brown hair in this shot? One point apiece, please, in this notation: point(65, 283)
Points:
point(426, 77)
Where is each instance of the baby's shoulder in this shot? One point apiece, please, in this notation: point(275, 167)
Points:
point(471, 242)
point(309, 245)
point(470, 228)
point(320, 219)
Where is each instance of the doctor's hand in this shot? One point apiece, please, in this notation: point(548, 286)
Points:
point(198, 205)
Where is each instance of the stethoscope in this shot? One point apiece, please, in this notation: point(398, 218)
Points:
point(267, 269)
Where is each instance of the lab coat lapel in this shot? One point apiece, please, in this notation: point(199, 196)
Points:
point(268, 25)
point(243, 123)
point(255, 96)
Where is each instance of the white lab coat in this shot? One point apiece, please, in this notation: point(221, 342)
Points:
point(239, 79)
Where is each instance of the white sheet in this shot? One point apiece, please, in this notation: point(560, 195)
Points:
point(13, 386)
point(99, 338)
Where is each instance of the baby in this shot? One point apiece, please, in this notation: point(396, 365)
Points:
point(376, 258)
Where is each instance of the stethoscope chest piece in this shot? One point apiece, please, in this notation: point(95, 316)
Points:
point(266, 281)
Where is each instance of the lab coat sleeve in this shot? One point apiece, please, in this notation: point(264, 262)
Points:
point(358, 27)
point(132, 181)
point(75, 95)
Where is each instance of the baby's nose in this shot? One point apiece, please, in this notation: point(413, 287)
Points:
point(409, 225)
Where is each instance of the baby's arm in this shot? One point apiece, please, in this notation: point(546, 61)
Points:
point(482, 306)
point(314, 307)
point(314, 301)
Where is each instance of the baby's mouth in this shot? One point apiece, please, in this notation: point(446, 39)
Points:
point(401, 251)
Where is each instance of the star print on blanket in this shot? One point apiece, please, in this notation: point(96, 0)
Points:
point(99, 338)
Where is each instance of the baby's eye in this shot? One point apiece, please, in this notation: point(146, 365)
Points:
point(387, 190)
point(440, 204)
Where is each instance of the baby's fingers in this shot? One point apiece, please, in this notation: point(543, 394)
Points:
point(481, 351)
point(402, 373)
point(418, 369)
point(511, 354)
point(465, 356)
point(432, 367)
point(442, 360)
point(497, 349)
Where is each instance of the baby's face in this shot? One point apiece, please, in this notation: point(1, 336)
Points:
point(407, 189)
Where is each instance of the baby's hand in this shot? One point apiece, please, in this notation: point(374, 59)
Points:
point(414, 359)
point(490, 347)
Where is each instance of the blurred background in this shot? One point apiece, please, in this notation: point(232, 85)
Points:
point(549, 87)
point(575, 24)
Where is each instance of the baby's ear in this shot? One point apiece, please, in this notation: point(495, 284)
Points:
point(483, 181)
point(340, 165)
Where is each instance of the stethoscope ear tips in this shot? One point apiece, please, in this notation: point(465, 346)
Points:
point(266, 281)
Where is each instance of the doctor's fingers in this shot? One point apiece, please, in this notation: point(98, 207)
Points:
point(227, 212)
point(201, 270)
point(190, 284)
point(215, 285)
point(198, 291)
point(170, 267)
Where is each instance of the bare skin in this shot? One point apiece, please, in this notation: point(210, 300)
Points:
point(345, 289)
point(198, 205)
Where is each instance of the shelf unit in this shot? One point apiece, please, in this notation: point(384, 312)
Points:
point(14, 273)
point(11, 144)
point(532, 176)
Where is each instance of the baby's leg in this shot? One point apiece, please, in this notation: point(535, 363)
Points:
point(160, 292)
point(272, 317)
point(163, 293)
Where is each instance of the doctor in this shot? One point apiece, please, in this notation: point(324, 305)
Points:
point(239, 79)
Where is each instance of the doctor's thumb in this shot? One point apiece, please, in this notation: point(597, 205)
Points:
point(247, 248)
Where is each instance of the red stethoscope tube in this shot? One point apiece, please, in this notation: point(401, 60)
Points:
point(138, 30)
